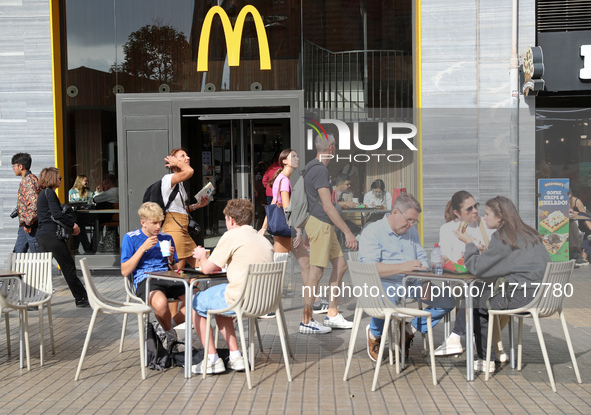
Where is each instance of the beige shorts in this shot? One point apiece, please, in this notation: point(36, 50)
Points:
point(324, 246)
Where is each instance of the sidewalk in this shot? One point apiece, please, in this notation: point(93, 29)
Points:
point(111, 382)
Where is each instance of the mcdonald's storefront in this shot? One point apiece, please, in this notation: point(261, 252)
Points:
point(236, 81)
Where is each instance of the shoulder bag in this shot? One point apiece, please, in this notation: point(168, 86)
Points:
point(63, 232)
point(276, 222)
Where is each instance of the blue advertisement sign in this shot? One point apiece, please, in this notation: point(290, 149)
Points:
point(553, 215)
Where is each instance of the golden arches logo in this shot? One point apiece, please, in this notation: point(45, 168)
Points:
point(233, 37)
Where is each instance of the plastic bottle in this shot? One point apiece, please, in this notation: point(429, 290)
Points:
point(437, 260)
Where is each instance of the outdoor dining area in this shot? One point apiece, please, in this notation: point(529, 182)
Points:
point(103, 351)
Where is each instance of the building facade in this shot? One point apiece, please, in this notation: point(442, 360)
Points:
point(109, 87)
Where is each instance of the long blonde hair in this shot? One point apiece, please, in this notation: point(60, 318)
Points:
point(82, 191)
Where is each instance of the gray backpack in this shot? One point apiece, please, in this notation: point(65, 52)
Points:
point(296, 213)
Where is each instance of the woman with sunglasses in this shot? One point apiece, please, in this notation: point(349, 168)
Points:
point(49, 210)
point(461, 214)
point(515, 253)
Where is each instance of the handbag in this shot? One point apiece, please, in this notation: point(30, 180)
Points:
point(276, 222)
point(63, 232)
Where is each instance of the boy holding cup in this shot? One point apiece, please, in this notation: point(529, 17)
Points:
point(147, 250)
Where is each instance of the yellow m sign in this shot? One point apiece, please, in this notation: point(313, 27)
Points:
point(233, 37)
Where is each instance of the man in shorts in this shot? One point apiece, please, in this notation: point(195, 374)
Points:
point(140, 254)
point(238, 247)
point(324, 246)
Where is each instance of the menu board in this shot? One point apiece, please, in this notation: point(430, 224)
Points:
point(553, 217)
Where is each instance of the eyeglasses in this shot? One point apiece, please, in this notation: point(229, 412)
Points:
point(471, 208)
point(410, 221)
point(14, 166)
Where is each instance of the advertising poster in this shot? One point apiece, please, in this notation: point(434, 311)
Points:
point(553, 217)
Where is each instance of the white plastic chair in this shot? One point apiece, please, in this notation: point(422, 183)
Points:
point(544, 305)
point(101, 304)
point(380, 306)
point(354, 256)
point(260, 294)
point(37, 289)
point(279, 257)
point(9, 286)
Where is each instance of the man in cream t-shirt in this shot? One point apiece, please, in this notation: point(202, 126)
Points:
point(240, 246)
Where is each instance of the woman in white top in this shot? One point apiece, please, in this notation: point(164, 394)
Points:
point(177, 215)
point(378, 198)
point(461, 214)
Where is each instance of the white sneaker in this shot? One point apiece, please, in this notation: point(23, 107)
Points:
point(236, 364)
point(320, 306)
point(313, 327)
point(451, 346)
point(212, 368)
point(338, 322)
point(479, 366)
point(501, 356)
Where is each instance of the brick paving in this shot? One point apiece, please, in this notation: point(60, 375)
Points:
point(111, 382)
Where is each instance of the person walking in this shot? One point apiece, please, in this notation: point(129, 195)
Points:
point(48, 209)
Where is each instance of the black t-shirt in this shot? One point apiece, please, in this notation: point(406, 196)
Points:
point(316, 176)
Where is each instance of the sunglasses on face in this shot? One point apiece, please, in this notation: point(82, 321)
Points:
point(471, 208)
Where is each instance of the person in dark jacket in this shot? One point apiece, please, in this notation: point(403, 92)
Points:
point(516, 253)
point(48, 205)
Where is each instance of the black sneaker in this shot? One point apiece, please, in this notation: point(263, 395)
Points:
point(82, 303)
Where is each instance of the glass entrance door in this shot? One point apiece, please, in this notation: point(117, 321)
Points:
point(233, 153)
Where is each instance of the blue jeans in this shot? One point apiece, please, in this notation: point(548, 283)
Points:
point(439, 307)
point(211, 299)
point(26, 240)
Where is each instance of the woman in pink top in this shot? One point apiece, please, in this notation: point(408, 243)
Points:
point(289, 161)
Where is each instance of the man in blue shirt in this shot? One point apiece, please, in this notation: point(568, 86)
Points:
point(393, 244)
point(140, 254)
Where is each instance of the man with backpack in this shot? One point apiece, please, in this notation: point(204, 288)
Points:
point(141, 253)
point(324, 246)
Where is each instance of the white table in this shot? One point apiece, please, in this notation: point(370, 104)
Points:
point(184, 277)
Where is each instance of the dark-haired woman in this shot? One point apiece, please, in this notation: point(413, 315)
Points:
point(177, 216)
point(289, 161)
point(461, 213)
point(48, 205)
point(516, 253)
point(378, 198)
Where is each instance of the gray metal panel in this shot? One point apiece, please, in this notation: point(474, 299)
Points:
point(146, 151)
point(466, 47)
point(149, 126)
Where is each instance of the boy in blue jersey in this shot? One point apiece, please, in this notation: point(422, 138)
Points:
point(140, 254)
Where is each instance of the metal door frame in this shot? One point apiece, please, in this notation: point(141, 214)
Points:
point(162, 111)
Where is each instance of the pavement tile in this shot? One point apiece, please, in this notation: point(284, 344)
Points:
point(111, 381)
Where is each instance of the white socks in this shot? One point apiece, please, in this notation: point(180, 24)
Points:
point(452, 335)
point(214, 357)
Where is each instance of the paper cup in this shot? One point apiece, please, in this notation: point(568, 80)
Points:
point(355, 200)
point(165, 248)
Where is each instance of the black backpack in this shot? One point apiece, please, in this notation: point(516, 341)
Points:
point(158, 356)
point(154, 194)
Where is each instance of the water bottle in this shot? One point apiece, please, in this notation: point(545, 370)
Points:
point(437, 260)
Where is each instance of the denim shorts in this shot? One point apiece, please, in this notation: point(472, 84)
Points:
point(211, 299)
